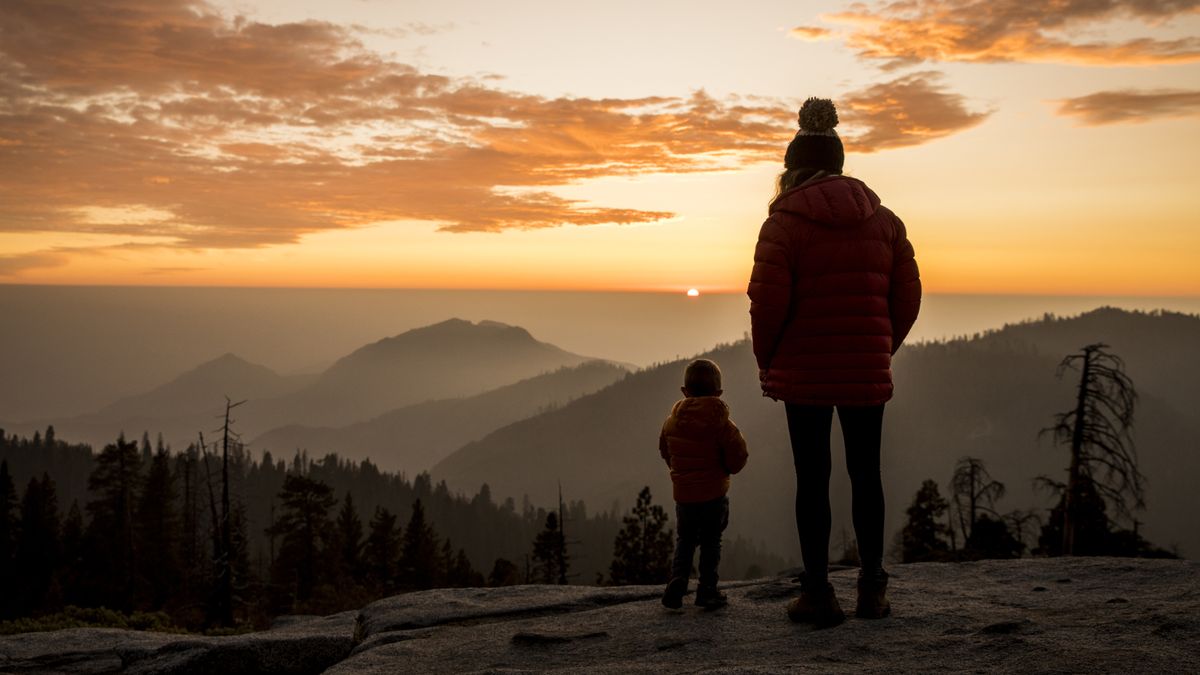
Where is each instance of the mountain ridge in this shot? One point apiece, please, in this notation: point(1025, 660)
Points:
point(415, 437)
point(985, 396)
point(451, 358)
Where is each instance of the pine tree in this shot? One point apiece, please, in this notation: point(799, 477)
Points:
point(504, 573)
point(241, 574)
point(157, 529)
point(111, 542)
point(642, 550)
point(991, 538)
point(550, 560)
point(350, 540)
point(381, 553)
point(304, 526)
point(71, 570)
point(38, 546)
point(445, 565)
point(8, 542)
point(147, 452)
point(187, 475)
point(921, 539)
point(461, 574)
point(419, 560)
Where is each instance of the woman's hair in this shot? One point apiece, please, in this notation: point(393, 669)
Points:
point(791, 178)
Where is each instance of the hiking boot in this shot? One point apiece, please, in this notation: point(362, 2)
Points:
point(673, 595)
point(872, 595)
point(817, 605)
point(709, 598)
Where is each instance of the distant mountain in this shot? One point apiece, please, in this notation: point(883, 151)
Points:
point(451, 359)
point(446, 360)
point(183, 406)
point(986, 396)
point(413, 438)
point(204, 387)
point(1158, 347)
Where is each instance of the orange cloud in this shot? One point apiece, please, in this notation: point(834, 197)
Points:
point(12, 265)
point(1112, 107)
point(237, 134)
point(912, 31)
point(246, 134)
point(907, 111)
point(811, 33)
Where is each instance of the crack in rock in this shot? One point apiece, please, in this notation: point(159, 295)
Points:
point(532, 639)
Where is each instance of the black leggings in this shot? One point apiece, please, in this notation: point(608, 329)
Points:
point(862, 427)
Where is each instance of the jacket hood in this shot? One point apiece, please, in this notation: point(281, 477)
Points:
point(699, 412)
point(837, 200)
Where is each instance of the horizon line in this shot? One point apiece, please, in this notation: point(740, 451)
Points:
point(681, 291)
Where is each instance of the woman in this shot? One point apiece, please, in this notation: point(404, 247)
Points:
point(834, 291)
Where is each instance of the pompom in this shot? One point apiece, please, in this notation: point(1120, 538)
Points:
point(818, 116)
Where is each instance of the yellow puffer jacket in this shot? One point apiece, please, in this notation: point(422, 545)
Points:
point(703, 447)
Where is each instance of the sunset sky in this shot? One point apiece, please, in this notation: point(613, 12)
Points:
point(1049, 147)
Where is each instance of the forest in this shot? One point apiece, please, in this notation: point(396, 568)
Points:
point(211, 538)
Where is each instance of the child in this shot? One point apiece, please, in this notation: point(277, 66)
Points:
point(703, 447)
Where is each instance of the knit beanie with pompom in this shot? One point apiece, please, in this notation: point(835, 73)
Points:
point(816, 145)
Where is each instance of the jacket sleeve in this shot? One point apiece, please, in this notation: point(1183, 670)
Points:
point(662, 444)
point(733, 448)
point(770, 291)
point(904, 296)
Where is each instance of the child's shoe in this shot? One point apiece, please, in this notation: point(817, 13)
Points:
point(673, 595)
point(709, 598)
point(816, 605)
point(872, 595)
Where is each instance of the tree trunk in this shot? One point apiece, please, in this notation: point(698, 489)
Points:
point(1068, 544)
point(225, 573)
point(973, 500)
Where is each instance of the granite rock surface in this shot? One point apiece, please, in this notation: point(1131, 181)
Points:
point(1034, 615)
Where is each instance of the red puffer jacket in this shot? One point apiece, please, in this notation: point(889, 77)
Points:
point(702, 446)
point(834, 291)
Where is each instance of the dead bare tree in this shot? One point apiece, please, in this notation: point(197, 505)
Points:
point(222, 606)
point(1097, 432)
point(973, 490)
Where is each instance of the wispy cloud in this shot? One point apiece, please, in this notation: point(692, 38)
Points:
point(171, 125)
point(173, 270)
point(903, 112)
point(811, 33)
point(246, 134)
point(1130, 105)
point(1062, 31)
point(13, 265)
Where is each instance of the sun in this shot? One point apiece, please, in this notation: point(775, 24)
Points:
point(693, 293)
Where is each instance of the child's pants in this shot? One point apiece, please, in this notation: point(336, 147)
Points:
point(699, 525)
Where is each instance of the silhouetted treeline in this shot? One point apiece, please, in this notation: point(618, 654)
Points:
point(968, 526)
point(1103, 488)
point(138, 527)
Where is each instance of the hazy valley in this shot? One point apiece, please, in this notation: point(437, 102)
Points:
point(489, 404)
